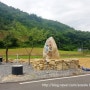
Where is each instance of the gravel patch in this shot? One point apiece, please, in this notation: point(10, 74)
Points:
point(30, 74)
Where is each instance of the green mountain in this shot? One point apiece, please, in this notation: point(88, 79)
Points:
point(27, 29)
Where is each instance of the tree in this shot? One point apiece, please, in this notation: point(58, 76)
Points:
point(1, 44)
point(35, 36)
point(9, 41)
point(30, 51)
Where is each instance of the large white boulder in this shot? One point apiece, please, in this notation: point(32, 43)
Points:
point(50, 50)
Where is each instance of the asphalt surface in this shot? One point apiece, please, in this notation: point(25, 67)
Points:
point(31, 74)
point(81, 82)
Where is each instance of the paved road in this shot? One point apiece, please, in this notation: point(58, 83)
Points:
point(81, 82)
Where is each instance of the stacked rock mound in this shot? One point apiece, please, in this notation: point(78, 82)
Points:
point(52, 64)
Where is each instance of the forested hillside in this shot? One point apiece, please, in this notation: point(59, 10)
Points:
point(24, 30)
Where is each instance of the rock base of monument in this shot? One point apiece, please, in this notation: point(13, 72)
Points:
point(53, 64)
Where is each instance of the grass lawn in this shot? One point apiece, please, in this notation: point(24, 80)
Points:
point(37, 53)
point(84, 57)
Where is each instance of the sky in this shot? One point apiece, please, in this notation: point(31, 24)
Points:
point(75, 13)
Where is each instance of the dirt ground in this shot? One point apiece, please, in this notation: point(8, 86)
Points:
point(85, 62)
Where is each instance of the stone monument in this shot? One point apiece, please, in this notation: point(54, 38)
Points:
point(50, 50)
point(51, 59)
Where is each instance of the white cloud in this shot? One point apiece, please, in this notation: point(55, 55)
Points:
point(75, 13)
